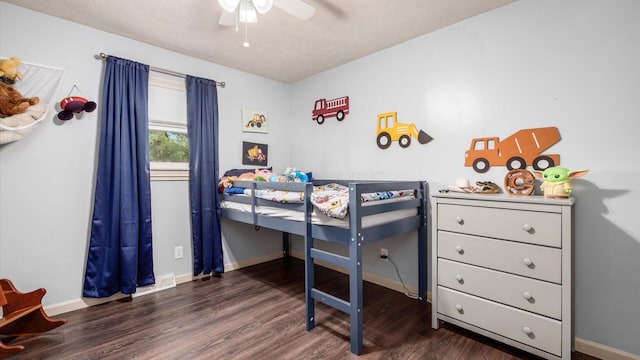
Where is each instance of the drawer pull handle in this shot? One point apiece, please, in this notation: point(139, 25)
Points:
point(527, 330)
point(527, 261)
point(459, 249)
point(459, 278)
point(459, 220)
point(527, 295)
point(459, 307)
point(527, 227)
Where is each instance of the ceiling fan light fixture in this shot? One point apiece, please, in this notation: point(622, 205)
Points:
point(262, 6)
point(229, 5)
point(247, 12)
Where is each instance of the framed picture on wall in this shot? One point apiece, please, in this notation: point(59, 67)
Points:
point(255, 121)
point(254, 153)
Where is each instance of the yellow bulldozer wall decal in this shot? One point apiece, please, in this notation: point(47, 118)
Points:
point(521, 149)
point(389, 129)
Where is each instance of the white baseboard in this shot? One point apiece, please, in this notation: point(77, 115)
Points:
point(602, 351)
point(252, 261)
point(183, 278)
point(77, 304)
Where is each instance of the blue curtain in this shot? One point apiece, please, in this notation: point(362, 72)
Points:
point(202, 128)
point(120, 256)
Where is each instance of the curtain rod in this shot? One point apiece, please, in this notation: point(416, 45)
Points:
point(168, 72)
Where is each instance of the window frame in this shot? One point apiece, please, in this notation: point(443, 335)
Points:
point(159, 170)
point(164, 170)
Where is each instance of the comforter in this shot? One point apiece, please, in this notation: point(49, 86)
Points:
point(331, 199)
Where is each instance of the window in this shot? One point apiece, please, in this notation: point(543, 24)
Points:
point(168, 141)
point(168, 146)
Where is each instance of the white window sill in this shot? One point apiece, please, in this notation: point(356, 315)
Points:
point(169, 175)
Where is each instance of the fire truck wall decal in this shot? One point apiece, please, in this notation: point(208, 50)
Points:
point(338, 108)
point(517, 151)
point(254, 121)
point(389, 129)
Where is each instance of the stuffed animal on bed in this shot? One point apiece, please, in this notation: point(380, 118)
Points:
point(256, 175)
point(12, 102)
point(9, 70)
point(262, 175)
point(295, 175)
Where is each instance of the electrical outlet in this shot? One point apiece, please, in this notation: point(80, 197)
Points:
point(178, 252)
point(384, 254)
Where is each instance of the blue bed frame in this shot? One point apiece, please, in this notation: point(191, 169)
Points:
point(354, 237)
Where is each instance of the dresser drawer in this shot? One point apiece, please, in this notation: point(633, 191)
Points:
point(535, 227)
point(528, 294)
point(527, 328)
point(538, 262)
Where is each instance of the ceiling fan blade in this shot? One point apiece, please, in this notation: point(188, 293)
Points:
point(297, 8)
point(227, 18)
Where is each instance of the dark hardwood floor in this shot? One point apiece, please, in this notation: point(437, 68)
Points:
point(257, 313)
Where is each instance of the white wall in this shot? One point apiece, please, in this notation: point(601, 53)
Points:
point(573, 64)
point(47, 178)
point(570, 64)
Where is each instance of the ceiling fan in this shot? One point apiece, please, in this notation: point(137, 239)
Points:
point(245, 11)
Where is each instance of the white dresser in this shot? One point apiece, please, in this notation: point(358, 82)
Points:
point(502, 267)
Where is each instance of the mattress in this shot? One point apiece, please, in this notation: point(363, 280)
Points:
point(318, 218)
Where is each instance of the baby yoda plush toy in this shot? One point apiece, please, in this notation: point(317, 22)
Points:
point(557, 181)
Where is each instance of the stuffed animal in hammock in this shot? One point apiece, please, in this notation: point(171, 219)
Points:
point(9, 70)
point(12, 102)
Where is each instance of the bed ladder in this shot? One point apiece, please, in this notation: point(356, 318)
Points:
point(353, 263)
point(353, 307)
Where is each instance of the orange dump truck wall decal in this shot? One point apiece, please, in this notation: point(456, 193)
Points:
point(517, 151)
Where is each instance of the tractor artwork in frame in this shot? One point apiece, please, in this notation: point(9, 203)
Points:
point(254, 121)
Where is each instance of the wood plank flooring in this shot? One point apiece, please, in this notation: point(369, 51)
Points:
point(257, 313)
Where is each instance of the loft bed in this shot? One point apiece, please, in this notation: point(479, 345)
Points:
point(366, 222)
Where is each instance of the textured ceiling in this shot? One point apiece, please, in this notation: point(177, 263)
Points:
point(282, 47)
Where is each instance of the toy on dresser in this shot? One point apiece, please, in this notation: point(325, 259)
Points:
point(556, 181)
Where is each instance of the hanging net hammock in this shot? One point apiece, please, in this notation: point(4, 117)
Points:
point(37, 80)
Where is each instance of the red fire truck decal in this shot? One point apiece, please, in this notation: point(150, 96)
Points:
point(324, 108)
